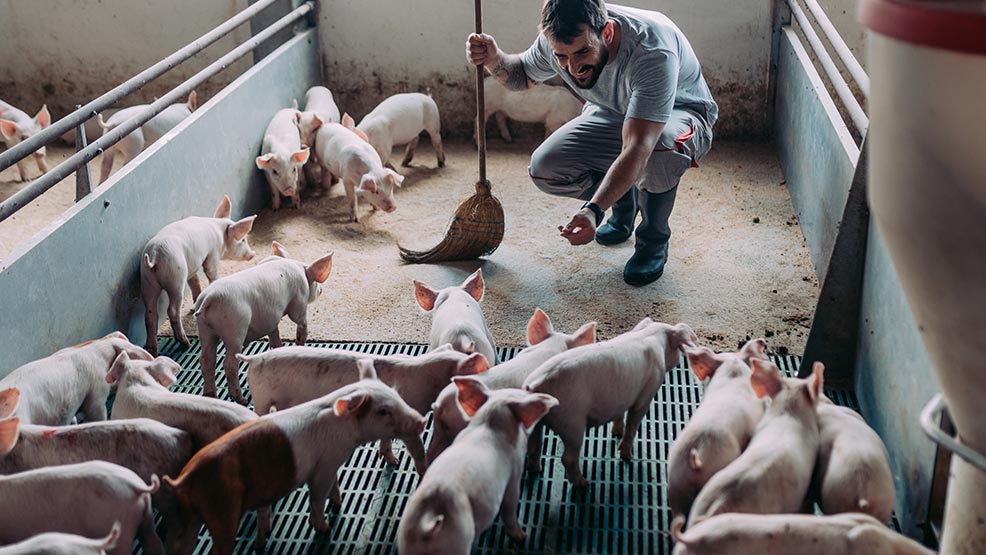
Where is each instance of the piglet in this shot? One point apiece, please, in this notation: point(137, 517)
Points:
point(478, 476)
point(283, 378)
point(399, 120)
point(853, 470)
point(457, 317)
point(343, 153)
point(721, 428)
point(282, 156)
point(152, 130)
point(175, 256)
point(142, 445)
point(86, 499)
point(599, 383)
point(53, 389)
point(774, 472)
point(143, 393)
point(249, 304)
point(552, 106)
point(262, 461)
point(17, 126)
point(320, 108)
point(57, 543)
point(544, 342)
point(755, 534)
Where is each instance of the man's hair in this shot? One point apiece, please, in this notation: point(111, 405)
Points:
point(562, 20)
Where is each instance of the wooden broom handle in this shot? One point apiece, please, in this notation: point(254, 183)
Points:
point(481, 103)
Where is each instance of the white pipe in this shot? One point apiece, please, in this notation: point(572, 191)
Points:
point(835, 39)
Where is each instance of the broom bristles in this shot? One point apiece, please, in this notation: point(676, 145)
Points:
point(475, 230)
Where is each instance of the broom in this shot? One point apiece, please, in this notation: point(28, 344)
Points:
point(476, 229)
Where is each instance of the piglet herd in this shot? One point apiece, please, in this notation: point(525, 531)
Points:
point(758, 453)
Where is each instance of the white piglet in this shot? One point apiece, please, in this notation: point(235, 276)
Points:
point(343, 153)
point(456, 316)
point(17, 126)
point(53, 389)
point(399, 120)
point(249, 304)
point(84, 499)
point(175, 256)
point(282, 156)
point(599, 383)
point(552, 106)
point(478, 476)
point(320, 108)
point(138, 139)
point(57, 543)
point(544, 342)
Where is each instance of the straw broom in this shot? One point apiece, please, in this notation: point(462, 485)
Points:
point(476, 229)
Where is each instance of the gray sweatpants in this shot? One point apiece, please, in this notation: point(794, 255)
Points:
point(574, 159)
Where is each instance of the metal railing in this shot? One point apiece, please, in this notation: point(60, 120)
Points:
point(81, 115)
point(855, 70)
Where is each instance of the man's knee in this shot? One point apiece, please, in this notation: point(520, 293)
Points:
point(551, 174)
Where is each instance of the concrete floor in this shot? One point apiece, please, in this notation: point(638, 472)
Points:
point(738, 264)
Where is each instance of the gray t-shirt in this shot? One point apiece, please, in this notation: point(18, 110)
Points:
point(654, 70)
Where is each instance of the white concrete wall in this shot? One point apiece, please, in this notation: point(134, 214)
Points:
point(65, 52)
point(374, 48)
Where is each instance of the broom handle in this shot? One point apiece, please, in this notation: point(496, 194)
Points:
point(481, 105)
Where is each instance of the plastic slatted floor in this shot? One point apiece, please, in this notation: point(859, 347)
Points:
point(624, 510)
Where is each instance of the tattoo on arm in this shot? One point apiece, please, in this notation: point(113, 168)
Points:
point(509, 71)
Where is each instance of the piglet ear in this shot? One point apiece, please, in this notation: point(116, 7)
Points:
point(301, 156)
point(474, 285)
point(425, 295)
point(193, 101)
point(348, 122)
point(431, 526)
point(471, 394)
point(586, 335)
point(320, 269)
point(316, 121)
point(766, 378)
point(395, 178)
point(361, 135)
point(163, 371)
point(475, 363)
point(366, 369)
point(224, 209)
point(8, 128)
point(532, 409)
point(753, 349)
point(118, 367)
point(369, 185)
point(239, 230)
point(263, 161)
point(9, 430)
point(702, 360)
point(539, 327)
point(350, 404)
point(294, 106)
point(816, 382)
point(8, 401)
point(643, 323)
point(278, 249)
point(43, 118)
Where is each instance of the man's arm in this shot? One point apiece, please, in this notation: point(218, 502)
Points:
point(505, 68)
point(640, 136)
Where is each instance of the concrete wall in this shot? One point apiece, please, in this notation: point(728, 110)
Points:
point(893, 373)
point(67, 52)
point(84, 266)
point(374, 48)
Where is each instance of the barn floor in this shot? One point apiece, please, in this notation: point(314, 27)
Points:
point(738, 263)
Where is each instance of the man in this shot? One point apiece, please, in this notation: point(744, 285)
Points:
point(647, 119)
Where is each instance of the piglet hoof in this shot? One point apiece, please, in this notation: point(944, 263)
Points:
point(208, 393)
point(626, 451)
point(320, 524)
point(151, 350)
point(533, 467)
point(390, 458)
point(184, 342)
point(240, 399)
point(579, 483)
point(517, 534)
point(441, 163)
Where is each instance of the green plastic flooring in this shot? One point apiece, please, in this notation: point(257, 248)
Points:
point(624, 510)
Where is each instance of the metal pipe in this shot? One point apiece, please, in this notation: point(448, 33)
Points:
point(835, 39)
point(856, 113)
point(50, 179)
point(83, 179)
point(930, 415)
point(80, 115)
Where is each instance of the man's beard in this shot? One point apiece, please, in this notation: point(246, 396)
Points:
point(596, 71)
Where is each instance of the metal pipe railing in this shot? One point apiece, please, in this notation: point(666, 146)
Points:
point(835, 39)
point(50, 179)
point(856, 112)
point(80, 115)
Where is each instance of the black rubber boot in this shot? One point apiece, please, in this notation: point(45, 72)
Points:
point(619, 225)
point(650, 251)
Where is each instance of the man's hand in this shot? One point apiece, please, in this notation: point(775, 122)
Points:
point(581, 229)
point(482, 49)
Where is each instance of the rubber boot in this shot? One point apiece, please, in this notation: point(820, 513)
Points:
point(650, 251)
point(619, 225)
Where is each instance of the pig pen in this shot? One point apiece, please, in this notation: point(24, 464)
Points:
point(740, 267)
